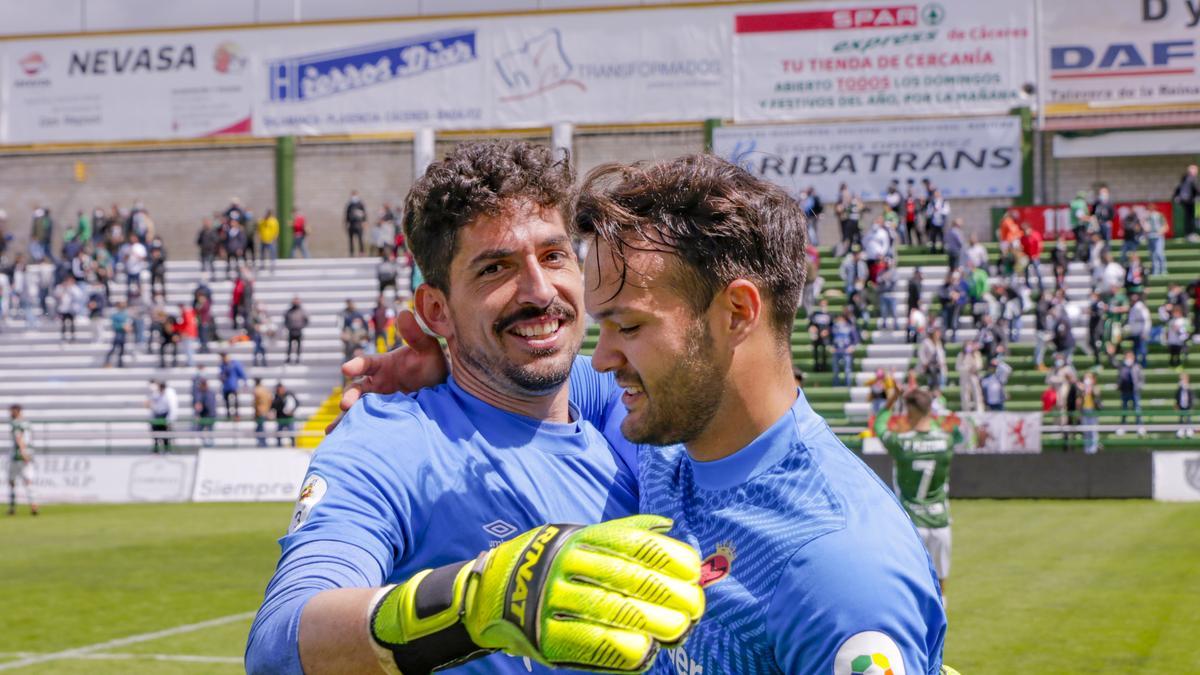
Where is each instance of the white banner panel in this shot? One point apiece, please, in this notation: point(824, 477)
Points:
point(870, 59)
point(249, 475)
point(369, 78)
point(1119, 52)
point(978, 157)
point(629, 66)
point(1001, 432)
point(109, 478)
point(121, 87)
point(1177, 476)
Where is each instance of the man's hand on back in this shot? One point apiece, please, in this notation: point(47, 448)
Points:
point(419, 363)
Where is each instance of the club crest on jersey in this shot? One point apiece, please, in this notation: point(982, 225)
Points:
point(312, 492)
point(716, 566)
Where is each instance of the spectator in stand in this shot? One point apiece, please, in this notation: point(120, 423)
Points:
point(356, 217)
point(1031, 246)
point(1156, 239)
point(1081, 218)
point(1114, 324)
point(1011, 310)
point(233, 377)
point(1185, 398)
point(1009, 232)
point(1185, 195)
point(852, 271)
point(918, 323)
point(993, 386)
point(813, 286)
point(1104, 213)
point(820, 324)
point(158, 270)
point(810, 202)
point(241, 306)
point(844, 337)
point(41, 236)
point(164, 408)
point(954, 244)
point(250, 226)
point(912, 208)
point(878, 389)
point(381, 319)
point(186, 330)
point(299, 233)
point(953, 297)
point(1135, 275)
point(931, 356)
point(1109, 276)
point(990, 338)
point(937, 215)
point(1059, 260)
point(207, 241)
point(875, 247)
point(1137, 325)
point(261, 329)
point(262, 408)
point(204, 407)
point(969, 365)
point(205, 322)
point(1130, 382)
point(1097, 313)
point(1064, 340)
point(383, 234)
point(120, 326)
point(1178, 336)
point(978, 292)
point(1097, 249)
point(284, 406)
point(1089, 409)
point(387, 272)
point(885, 287)
point(268, 237)
point(133, 256)
point(235, 247)
point(295, 320)
point(71, 301)
point(914, 288)
point(849, 209)
point(1132, 234)
point(976, 254)
point(163, 327)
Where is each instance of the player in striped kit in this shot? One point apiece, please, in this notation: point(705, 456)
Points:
point(20, 465)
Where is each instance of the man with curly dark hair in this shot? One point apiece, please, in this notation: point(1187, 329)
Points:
point(407, 488)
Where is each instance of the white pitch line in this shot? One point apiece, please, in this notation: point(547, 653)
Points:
point(186, 658)
point(80, 652)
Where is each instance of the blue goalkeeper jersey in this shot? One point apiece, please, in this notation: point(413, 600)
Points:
point(407, 483)
point(810, 563)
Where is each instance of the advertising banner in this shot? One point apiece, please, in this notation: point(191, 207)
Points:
point(870, 59)
point(1118, 52)
point(978, 157)
point(122, 87)
point(1177, 476)
point(249, 475)
point(1001, 432)
point(77, 479)
point(653, 65)
point(1055, 221)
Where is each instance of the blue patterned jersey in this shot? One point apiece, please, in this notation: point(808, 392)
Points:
point(810, 563)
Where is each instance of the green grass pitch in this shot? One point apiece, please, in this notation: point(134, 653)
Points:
point(1037, 587)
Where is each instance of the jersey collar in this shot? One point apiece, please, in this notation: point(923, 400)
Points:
point(763, 452)
point(502, 428)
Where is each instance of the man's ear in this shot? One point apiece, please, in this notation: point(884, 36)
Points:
point(433, 309)
point(742, 303)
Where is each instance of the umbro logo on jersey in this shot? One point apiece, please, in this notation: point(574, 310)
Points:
point(499, 529)
point(716, 566)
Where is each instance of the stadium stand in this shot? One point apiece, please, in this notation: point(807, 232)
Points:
point(74, 403)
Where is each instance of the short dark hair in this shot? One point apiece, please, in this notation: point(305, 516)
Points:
point(719, 220)
point(918, 402)
point(479, 178)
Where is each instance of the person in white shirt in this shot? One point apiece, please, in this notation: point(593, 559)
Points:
point(133, 256)
point(976, 254)
point(164, 408)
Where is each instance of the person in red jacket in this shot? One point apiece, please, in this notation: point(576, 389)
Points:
point(1031, 244)
point(188, 330)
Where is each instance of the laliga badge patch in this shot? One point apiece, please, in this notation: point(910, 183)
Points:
point(313, 491)
point(716, 566)
point(869, 653)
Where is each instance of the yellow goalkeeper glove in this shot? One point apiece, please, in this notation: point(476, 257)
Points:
point(602, 597)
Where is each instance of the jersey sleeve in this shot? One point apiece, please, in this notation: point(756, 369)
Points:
point(839, 599)
point(347, 530)
point(598, 399)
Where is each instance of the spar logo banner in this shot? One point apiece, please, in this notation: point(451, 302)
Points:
point(121, 87)
point(1119, 52)
point(977, 157)
point(652, 65)
point(864, 59)
point(1001, 432)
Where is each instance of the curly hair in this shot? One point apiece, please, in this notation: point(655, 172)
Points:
point(719, 220)
point(480, 178)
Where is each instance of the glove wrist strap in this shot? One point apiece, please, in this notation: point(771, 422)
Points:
point(420, 621)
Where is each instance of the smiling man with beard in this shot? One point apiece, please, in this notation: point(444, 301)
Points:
point(811, 565)
point(382, 566)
